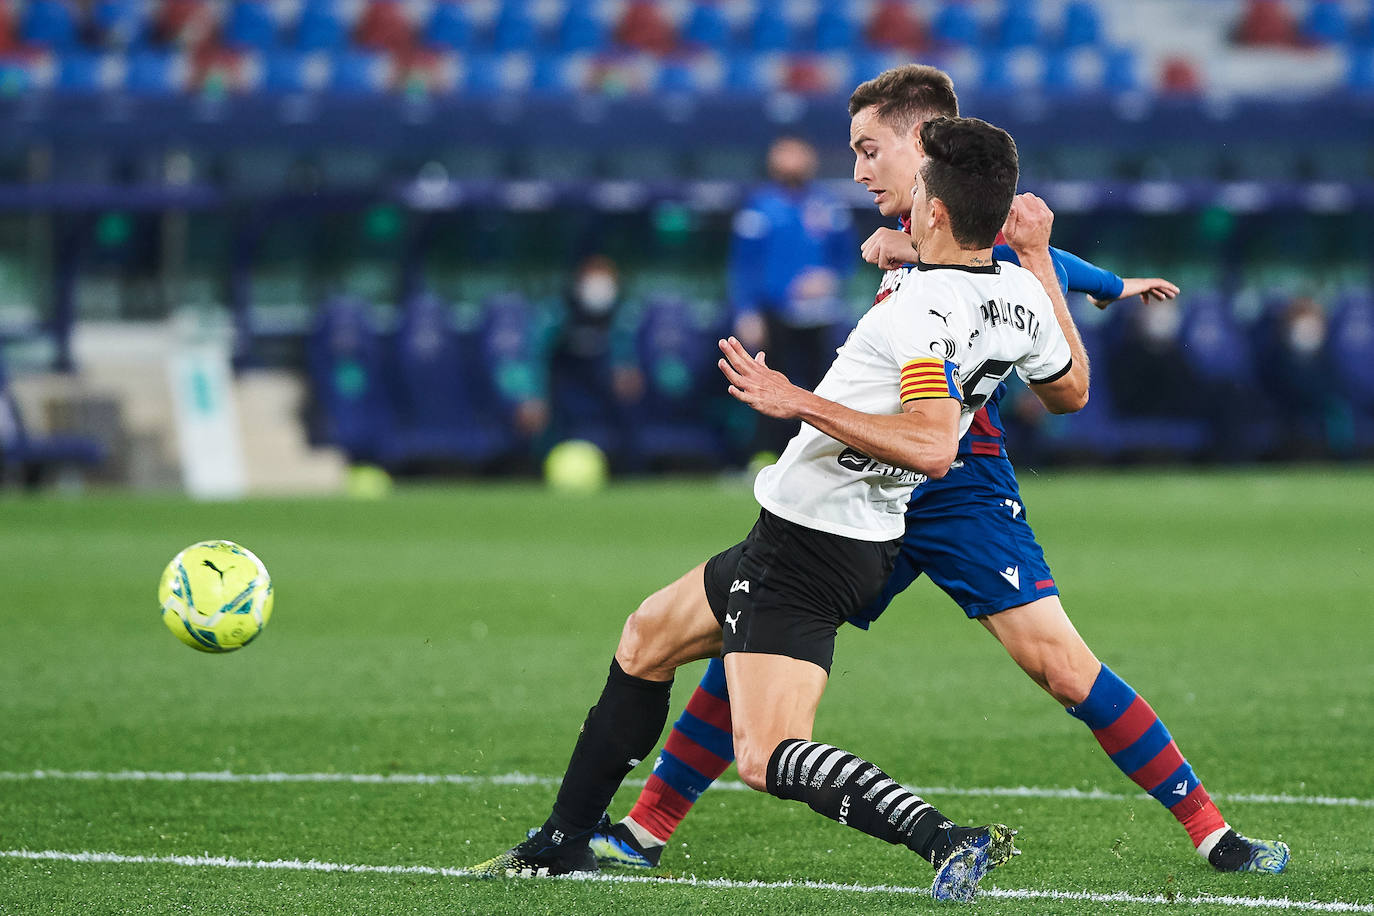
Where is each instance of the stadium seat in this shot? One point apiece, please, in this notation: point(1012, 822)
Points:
point(678, 419)
point(360, 71)
point(1017, 26)
point(1352, 347)
point(119, 23)
point(384, 26)
point(646, 27)
point(1074, 71)
point(50, 23)
point(156, 72)
point(321, 27)
point(772, 30)
point(250, 24)
point(286, 70)
point(583, 30)
point(706, 27)
point(345, 364)
point(27, 459)
point(956, 24)
point(836, 29)
point(1359, 72)
point(1082, 24)
point(515, 28)
point(1326, 23)
point(894, 24)
point(1121, 71)
point(440, 397)
point(449, 26)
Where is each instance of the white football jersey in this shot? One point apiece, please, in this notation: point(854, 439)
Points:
point(946, 331)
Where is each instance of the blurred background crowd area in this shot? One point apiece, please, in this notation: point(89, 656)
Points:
point(396, 203)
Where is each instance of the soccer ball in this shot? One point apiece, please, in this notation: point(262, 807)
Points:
point(216, 596)
point(575, 466)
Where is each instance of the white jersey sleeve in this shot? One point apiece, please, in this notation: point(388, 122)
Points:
point(1050, 356)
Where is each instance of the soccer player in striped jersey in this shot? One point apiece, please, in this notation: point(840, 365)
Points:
point(888, 415)
point(1008, 587)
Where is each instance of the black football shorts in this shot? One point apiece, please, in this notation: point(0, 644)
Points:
point(785, 589)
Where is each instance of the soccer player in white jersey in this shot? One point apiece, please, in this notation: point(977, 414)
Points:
point(888, 415)
point(1006, 584)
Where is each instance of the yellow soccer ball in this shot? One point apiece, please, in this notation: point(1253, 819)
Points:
point(216, 596)
point(576, 466)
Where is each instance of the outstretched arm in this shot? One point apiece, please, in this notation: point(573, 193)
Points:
point(924, 438)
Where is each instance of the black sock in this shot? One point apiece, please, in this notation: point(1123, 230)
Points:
point(849, 789)
point(620, 731)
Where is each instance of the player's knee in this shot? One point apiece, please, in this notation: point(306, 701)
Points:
point(751, 760)
point(636, 650)
point(1069, 680)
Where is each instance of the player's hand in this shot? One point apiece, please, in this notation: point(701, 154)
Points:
point(1028, 224)
point(766, 390)
point(888, 248)
point(1147, 288)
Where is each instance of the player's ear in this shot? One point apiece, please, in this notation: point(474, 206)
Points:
point(939, 213)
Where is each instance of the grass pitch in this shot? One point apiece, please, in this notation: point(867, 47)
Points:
point(461, 633)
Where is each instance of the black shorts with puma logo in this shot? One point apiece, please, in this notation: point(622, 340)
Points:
point(785, 589)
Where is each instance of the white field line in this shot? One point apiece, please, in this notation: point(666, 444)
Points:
point(313, 865)
point(525, 779)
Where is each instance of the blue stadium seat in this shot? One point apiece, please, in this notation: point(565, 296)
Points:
point(27, 459)
point(1082, 24)
point(1326, 23)
point(677, 76)
point(250, 24)
point(321, 27)
point(359, 71)
point(515, 28)
point(1073, 71)
point(439, 397)
point(771, 29)
point(679, 418)
point(956, 24)
point(50, 23)
point(707, 27)
point(286, 70)
point(1359, 73)
point(1122, 70)
point(1018, 26)
point(120, 23)
point(346, 366)
point(79, 71)
point(155, 72)
point(449, 26)
point(583, 30)
point(1352, 346)
point(837, 29)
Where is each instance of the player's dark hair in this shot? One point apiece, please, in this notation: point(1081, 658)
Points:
point(906, 95)
point(972, 167)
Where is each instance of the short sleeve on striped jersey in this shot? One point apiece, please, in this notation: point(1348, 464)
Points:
point(928, 377)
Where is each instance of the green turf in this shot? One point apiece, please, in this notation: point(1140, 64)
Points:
point(466, 629)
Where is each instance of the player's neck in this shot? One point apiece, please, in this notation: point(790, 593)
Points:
point(943, 249)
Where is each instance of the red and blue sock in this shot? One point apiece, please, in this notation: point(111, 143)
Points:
point(1139, 744)
point(697, 751)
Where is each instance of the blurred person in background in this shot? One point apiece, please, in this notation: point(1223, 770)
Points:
point(1297, 375)
point(1149, 373)
point(792, 249)
point(591, 377)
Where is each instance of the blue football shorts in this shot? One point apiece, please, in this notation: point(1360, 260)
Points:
point(968, 532)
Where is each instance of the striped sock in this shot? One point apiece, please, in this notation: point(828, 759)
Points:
point(1139, 744)
point(849, 789)
point(697, 751)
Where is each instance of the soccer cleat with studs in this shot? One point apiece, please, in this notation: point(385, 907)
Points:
point(957, 877)
point(538, 857)
point(615, 844)
point(1234, 852)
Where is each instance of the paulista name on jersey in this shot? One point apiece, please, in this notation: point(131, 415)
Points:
point(999, 311)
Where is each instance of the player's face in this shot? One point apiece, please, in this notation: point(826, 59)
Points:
point(884, 161)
